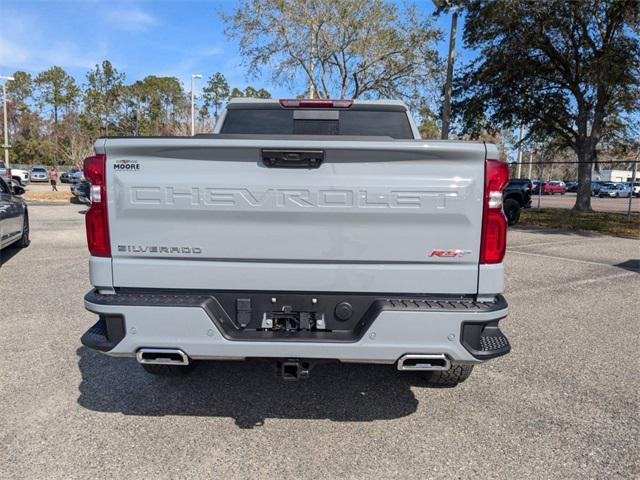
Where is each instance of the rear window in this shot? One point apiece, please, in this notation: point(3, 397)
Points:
point(394, 124)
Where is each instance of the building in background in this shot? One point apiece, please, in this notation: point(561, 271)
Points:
point(613, 175)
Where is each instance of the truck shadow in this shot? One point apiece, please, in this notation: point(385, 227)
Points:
point(8, 253)
point(248, 392)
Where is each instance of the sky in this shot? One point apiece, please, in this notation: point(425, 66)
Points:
point(149, 37)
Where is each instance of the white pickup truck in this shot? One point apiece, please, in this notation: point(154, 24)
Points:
point(300, 231)
point(14, 176)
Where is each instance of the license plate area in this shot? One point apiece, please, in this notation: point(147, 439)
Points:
point(290, 321)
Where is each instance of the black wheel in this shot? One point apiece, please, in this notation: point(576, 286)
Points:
point(512, 210)
point(449, 378)
point(168, 370)
point(24, 240)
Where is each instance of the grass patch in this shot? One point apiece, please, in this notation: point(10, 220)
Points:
point(616, 224)
point(61, 196)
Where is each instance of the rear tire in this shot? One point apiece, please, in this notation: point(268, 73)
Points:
point(512, 210)
point(168, 370)
point(458, 373)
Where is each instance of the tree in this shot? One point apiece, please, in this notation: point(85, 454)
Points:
point(103, 96)
point(249, 92)
point(569, 70)
point(216, 92)
point(74, 144)
point(56, 89)
point(428, 126)
point(256, 93)
point(153, 106)
point(236, 92)
point(20, 90)
point(341, 48)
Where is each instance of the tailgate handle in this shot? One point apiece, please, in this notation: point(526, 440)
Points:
point(292, 158)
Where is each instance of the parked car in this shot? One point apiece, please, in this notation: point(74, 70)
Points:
point(5, 173)
point(75, 188)
point(615, 190)
point(596, 185)
point(572, 186)
point(317, 240)
point(554, 186)
point(75, 180)
point(14, 218)
point(67, 177)
point(515, 196)
point(39, 174)
point(84, 192)
point(534, 186)
point(80, 187)
point(77, 176)
point(20, 177)
point(551, 187)
point(636, 188)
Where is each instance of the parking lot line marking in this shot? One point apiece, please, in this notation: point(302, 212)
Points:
point(577, 283)
point(562, 258)
point(587, 239)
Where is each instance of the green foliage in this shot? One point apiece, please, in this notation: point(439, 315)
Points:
point(428, 126)
point(216, 92)
point(153, 106)
point(259, 93)
point(103, 97)
point(53, 121)
point(568, 70)
point(20, 89)
point(56, 90)
point(342, 48)
point(250, 92)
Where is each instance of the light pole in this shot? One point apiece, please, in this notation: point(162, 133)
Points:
point(193, 103)
point(446, 108)
point(5, 146)
point(518, 175)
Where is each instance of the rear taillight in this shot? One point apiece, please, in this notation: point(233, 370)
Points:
point(9, 176)
point(494, 224)
point(96, 218)
point(314, 103)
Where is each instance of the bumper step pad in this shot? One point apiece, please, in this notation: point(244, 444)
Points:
point(495, 342)
point(105, 334)
point(485, 340)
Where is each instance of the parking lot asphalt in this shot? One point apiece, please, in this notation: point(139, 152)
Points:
point(563, 404)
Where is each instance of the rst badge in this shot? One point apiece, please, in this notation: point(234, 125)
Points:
point(126, 165)
point(449, 253)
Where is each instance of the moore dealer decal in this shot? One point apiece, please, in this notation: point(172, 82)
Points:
point(126, 165)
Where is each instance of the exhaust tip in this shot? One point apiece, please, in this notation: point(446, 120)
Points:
point(162, 356)
point(419, 362)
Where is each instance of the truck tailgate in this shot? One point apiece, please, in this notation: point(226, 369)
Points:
point(375, 216)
